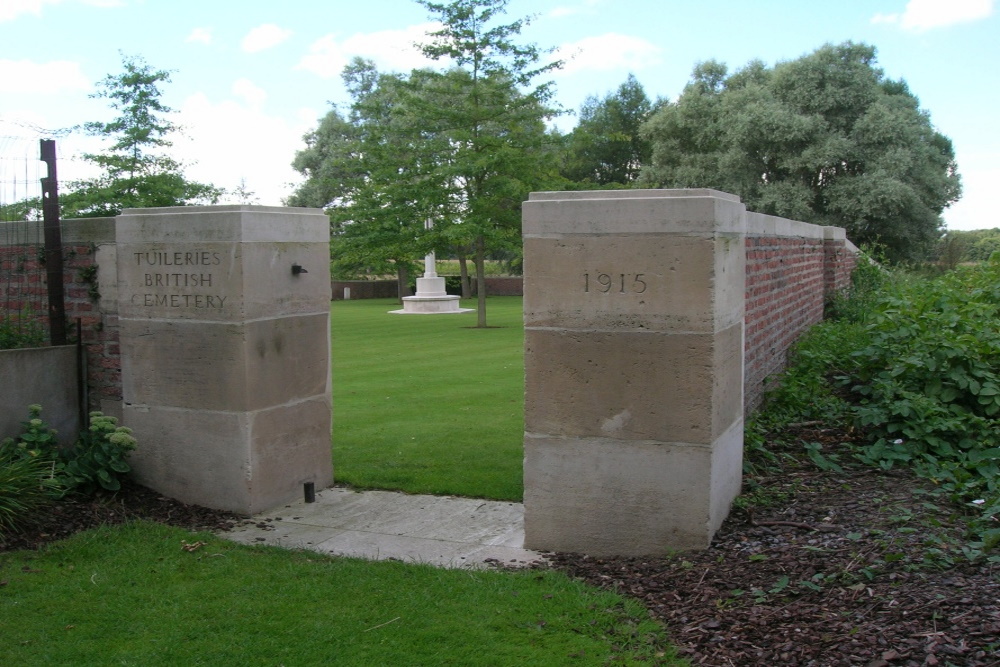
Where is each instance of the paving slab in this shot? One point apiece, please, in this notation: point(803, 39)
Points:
point(445, 531)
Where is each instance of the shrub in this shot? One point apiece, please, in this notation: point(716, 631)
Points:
point(99, 457)
point(97, 460)
point(868, 281)
point(928, 385)
point(921, 358)
point(26, 485)
point(20, 331)
point(28, 477)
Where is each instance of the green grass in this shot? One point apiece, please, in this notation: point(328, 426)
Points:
point(428, 403)
point(130, 595)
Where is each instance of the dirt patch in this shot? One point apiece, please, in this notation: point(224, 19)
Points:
point(74, 514)
point(822, 567)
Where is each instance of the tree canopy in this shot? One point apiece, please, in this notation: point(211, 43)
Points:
point(606, 147)
point(826, 138)
point(135, 172)
point(371, 170)
point(461, 146)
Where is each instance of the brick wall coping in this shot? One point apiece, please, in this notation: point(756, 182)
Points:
point(759, 224)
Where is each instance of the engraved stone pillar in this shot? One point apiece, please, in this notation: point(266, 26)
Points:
point(226, 351)
point(633, 310)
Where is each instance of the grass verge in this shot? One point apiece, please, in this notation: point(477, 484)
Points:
point(428, 403)
point(133, 595)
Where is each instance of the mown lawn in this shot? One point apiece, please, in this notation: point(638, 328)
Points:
point(133, 595)
point(428, 403)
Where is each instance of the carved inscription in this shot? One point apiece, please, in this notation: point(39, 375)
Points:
point(614, 283)
point(181, 279)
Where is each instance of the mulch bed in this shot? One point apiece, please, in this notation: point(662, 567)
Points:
point(73, 514)
point(825, 568)
point(813, 567)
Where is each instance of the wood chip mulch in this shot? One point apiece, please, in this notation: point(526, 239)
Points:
point(822, 567)
point(74, 514)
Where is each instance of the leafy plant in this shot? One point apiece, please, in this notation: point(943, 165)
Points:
point(97, 460)
point(868, 283)
point(20, 330)
point(99, 457)
point(27, 472)
point(928, 386)
point(914, 361)
point(26, 485)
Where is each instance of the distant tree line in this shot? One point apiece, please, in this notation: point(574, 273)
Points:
point(826, 138)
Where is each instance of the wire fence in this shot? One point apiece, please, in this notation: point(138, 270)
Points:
point(29, 273)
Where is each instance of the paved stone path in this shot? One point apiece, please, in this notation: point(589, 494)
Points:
point(382, 525)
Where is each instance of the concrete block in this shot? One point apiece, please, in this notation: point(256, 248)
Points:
point(225, 351)
point(596, 496)
point(42, 375)
point(634, 307)
point(247, 366)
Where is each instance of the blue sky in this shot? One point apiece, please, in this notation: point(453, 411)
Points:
point(250, 77)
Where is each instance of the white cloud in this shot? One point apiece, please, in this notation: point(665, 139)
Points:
point(27, 77)
point(923, 15)
point(226, 143)
point(200, 35)
point(610, 51)
point(265, 37)
point(250, 92)
point(980, 175)
point(11, 9)
point(392, 50)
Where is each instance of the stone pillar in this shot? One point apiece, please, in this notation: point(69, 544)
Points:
point(633, 310)
point(226, 351)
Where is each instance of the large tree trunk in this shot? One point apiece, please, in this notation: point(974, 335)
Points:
point(463, 268)
point(402, 281)
point(481, 281)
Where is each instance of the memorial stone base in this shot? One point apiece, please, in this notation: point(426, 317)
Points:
point(226, 352)
point(633, 310)
point(430, 299)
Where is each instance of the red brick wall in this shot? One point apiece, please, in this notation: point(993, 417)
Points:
point(99, 321)
point(99, 328)
point(364, 289)
point(792, 269)
point(505, 286)
point(23, 279)
point(387, 289)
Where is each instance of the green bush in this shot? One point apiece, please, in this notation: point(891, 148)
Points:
point(28, 478)
point(868, 281)
point(17, 331)
point(928, 385)
point(26, 486)
point(915, 362)
point(97, 460)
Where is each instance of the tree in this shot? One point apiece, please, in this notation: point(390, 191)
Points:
point(371, 171)
point(493, 116)
point(606, 146)
point(461, 147)
point(135, 171)
point(826, 138)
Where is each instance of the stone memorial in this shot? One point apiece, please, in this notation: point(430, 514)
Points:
point(633, 311)
point(431, 297)
point(224, 315)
